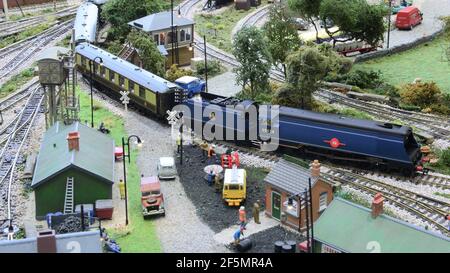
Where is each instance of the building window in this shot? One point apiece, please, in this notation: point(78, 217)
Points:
point(156, 38)
point(182, 35)
point(141, 92)
point(323, 201)
point(188, 34)
point(162, 39)
point(111, 75)
point(291, 209)
point(172, 38)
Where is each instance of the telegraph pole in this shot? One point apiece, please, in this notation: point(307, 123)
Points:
point(389, 23)
point(5, 9)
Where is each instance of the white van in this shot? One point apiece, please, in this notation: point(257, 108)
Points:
point(166, 168)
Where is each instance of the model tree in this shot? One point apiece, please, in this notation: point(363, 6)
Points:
point(282, 36)
point(250, 50)
point(355, 19)
point(308, 10)
point(152, 60)
point(305, 68)
point(120, 12)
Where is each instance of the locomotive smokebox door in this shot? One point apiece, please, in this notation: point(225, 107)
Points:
point(51, 66)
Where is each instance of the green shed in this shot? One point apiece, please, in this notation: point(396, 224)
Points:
point(75, 166)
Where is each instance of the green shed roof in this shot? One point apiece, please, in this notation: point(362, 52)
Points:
point(95, 156)
point(351, 228)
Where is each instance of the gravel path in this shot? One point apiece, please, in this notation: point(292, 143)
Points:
point(181, 230)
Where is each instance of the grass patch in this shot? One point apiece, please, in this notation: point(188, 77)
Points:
point(425, 61)
point(65, 42)
point(347, 112)
point(26, 33)
point(16, 82)
point(299, 161)
point(218, 28)
point(361, 201)
point(140, 235)
point(445, 195)
point(440, 166)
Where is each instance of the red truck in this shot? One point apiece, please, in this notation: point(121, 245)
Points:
point(152, 199)
point(408, 18)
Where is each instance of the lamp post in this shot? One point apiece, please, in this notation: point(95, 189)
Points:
point(206, 61)
point(309, 218)
point(127, 143)
point(171, 29)
point(92, 67)
point(389, 23)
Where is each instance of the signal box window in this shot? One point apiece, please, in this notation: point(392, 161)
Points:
point(131, 86)
point(102, 71)
point(111, 75)
point(121, 81)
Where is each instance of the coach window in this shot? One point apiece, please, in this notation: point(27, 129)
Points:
point(131, 86)
point(111, 75)
point(121, 81)
point(141, 92)
point(102, 71)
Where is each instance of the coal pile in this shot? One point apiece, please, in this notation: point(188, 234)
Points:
point(263, 242)
point(209, 203)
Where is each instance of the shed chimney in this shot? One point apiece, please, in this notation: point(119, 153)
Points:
point(46, 242)
point(377, 205)
point(315, 169)
point(73, 139)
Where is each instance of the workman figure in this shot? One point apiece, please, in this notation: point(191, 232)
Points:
point(122, 189)
point(242, 217)
point(217, 183)
point(256, 212)
point(211, 151)
point(237, 235)
point(210, 178)
point(178, 143)
point(204, 146)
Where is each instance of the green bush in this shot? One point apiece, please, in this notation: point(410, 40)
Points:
point(214, 68)
point(174, 73)
point(426, 95)
point(445, 157)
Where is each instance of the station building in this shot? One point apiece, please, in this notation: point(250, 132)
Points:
point(75, 166)
point(348, 227)
point(285, 181)
point(159, 27)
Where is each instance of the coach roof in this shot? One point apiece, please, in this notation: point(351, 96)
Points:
point(126, 69)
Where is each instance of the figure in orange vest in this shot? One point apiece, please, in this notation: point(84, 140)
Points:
point(242, 217)
point(211, 151)
point(448, 219)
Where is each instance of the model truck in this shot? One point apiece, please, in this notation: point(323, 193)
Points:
point(191, 85)
point(152, 199)
point(234, 186)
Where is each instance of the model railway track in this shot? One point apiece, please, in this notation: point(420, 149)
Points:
point(28, 50)
point(10, 154)
point(13, 27)
point(18, 96)
point(433, 128)
point(434, 180)
point(430, 210)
